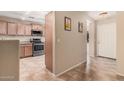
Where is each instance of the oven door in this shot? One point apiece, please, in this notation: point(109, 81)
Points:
point(38, 47)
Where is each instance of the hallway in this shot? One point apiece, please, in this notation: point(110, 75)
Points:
point(99, 69)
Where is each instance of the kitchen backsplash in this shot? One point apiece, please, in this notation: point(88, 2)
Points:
point(21, 38)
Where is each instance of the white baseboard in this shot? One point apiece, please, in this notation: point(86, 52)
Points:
point(70, 68)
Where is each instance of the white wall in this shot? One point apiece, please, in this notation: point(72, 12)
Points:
point(106, 38)
point(91, 28)
point(92, 39)
point(70, 46)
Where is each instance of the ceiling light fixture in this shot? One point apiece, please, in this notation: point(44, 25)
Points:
point(31, 17)
point(103, 13)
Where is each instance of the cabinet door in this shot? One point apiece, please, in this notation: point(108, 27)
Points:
point(28, 50)
point(27, 29)
point(20, 29)
point(12, 28)
point(3, 28)
point(37, 27)
point(34, 27)
point(22, 51)
point(40, 28)
point(49, 22)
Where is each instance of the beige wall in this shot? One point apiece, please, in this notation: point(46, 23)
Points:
point(70, 46)
point(120, 42)
point(92, 39)
point(9, 60)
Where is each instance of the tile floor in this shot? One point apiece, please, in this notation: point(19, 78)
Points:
point(98, 69)
point(33, 69)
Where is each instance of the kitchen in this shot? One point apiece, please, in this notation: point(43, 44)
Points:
point(29, 28)
point(23, 30)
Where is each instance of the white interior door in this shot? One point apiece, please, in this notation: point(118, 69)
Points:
point(106, 39)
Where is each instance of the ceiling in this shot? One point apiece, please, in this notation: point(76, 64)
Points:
point(39, 16)
point(95, 14)
point(34, 16)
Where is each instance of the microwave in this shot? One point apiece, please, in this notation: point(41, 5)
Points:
point(36, 33)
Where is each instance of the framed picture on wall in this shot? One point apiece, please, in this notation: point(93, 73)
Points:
point(67, 24)
point(80, 27)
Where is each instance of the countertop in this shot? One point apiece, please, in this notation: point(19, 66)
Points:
point(25, 42)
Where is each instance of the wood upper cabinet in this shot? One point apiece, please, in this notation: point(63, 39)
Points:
point(40, 27)
point(20, 29)
point(37, 27)
point(28, 50)
point(28, 30)
point(3, 28)
point(12, 28)
point(34, 27)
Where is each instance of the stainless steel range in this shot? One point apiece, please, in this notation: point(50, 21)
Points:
point(38, 47)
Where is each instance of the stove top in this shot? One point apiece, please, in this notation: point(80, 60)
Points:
point(36, 41)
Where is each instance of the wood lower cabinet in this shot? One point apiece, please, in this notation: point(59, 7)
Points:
point(12, 28)
point(25, 50)
point(3, 28)
point(28, 50)
point(22, 51)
